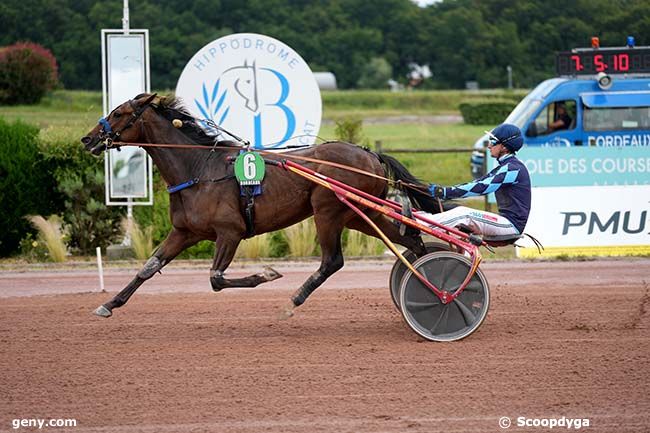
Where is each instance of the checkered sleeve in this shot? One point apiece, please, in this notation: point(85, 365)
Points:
point(487, 184)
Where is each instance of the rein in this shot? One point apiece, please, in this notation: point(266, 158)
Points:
point(268, 152)
point(109, 136)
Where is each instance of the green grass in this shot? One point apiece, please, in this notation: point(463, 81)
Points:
point(69, 110)
point(442, 168)
point(385, 103)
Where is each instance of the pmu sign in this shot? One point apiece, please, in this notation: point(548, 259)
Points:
point(584, 220)
point(256, 87)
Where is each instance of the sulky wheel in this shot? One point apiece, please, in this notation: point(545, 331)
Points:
point(427, 315)
point(399, 269)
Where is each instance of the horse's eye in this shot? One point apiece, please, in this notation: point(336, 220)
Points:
point(117, 114)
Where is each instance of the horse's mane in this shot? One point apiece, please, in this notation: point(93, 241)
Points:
point(171, 107)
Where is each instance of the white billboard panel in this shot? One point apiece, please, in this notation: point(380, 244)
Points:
point(590, 220)
point(125, 66)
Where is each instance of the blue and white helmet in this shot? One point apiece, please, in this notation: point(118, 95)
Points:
point(507, 134)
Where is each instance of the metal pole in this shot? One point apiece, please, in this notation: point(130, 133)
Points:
point(125, 17)
point(486, 153)
point(129, 206)
point(509, 69)
point(100, 268)
point(129, 219)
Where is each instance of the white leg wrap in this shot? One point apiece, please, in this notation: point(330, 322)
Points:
point(152, 266)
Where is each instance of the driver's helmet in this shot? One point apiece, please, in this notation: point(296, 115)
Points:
point(507, 134)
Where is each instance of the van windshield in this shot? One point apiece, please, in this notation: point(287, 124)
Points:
point(523, 111)
point(529, 105)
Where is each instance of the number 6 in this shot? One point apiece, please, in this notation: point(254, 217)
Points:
point(250, 170)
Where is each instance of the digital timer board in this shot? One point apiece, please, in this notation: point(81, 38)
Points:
point(608, 60)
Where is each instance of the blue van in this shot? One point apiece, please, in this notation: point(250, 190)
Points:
point(600, 110)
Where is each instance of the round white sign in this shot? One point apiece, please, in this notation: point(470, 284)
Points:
point(256, 87)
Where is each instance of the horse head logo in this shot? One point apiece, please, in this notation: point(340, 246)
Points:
point(236, 93)
point(246, 85)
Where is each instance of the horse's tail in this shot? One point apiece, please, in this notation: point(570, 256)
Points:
point(416, 191)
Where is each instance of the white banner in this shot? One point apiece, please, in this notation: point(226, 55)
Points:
point(590, 220)
point(125, 66)
point(256, 87)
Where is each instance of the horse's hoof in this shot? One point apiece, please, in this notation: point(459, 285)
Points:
point(102, 311)
point(286, 312)
point(271, 274)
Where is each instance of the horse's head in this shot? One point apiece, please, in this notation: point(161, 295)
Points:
point(123, 124)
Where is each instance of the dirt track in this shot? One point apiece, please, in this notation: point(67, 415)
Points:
point(561, 339)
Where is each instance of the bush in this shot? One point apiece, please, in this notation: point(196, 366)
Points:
point(141, 239)
point(301, 238)
point(25, 184)
point(27, 72)
point(350, 131)
point(356, 244)
point(50, 234)
point(486, 112)
point(80, 183)
point(375, 74)
point(157, 215)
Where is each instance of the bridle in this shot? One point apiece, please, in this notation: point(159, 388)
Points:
point(108, 136)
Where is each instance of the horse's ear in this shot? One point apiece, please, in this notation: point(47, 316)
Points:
point(149, 100)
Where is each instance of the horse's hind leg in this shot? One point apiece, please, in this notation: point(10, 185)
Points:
point(176, 242)
point(226, 248)
point(329, 227)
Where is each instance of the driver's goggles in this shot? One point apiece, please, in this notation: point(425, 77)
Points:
point(492, 139)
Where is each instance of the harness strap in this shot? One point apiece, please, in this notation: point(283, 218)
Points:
point(105, 125)
point(195, 181)
point(181, 186)
point(249, 210)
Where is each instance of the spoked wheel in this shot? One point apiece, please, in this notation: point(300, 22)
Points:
point(427, 315)
point(399, 268)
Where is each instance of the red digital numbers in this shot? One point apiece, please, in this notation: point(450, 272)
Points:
point(622, 62)
point(578, 63)
point(611, 61)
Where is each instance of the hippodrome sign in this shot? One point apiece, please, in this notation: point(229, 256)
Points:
point(256, 87)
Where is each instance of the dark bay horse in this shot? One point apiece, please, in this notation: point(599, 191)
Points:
point(210, 209)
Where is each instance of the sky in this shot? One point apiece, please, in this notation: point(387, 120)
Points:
point(423, 3)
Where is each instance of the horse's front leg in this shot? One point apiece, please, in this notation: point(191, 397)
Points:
point(176, 242)
point(226, 246)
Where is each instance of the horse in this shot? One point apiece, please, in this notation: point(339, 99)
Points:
point(206, 204)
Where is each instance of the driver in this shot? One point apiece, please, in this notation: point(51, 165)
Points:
point(562, 118)
point(510, 182)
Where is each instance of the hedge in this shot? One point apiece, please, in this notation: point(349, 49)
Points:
point(26, 187)
point(486, 112)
